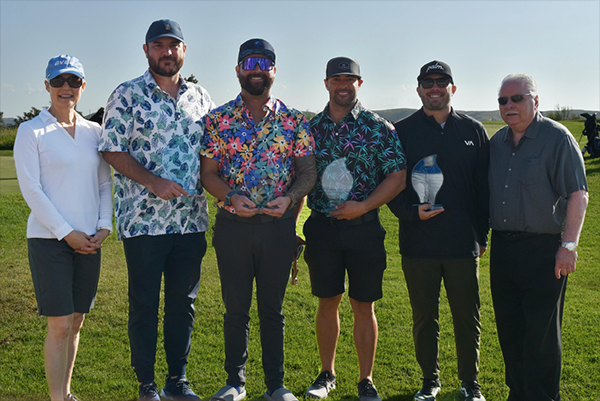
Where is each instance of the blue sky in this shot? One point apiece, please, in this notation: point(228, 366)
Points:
point(556, 42)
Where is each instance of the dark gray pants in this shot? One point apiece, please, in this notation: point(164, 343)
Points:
point(528, 303)
point(179, 257)
point(248, 252)
point(461, 280)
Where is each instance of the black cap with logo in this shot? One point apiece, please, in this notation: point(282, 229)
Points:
point(342, 66)
point(435, 67)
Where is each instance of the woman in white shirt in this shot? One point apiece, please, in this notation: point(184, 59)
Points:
point(68, 187)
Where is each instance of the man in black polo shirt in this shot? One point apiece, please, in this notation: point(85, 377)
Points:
point(538, 198)
point(360, 166)
point(443, 242)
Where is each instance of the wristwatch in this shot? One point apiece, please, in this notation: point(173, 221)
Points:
point(228, 198)
point(570, 246)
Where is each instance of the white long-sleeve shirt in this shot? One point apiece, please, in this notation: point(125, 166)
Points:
point(64, 180)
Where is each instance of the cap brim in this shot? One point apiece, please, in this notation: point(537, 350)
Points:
point(169, 35)
point(343, 73)
point(66, 71)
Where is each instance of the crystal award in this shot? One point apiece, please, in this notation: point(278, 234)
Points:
point(427, 179)
point(337, 181)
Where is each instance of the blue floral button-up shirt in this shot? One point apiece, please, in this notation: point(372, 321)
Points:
point(163, 134)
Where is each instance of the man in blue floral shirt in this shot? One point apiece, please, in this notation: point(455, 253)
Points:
point(257, 160)
point(360, 167)
point(151, 136)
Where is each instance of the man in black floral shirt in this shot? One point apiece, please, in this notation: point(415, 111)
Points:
point(360, 167)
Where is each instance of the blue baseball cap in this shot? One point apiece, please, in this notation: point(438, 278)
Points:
point(162, 28)
point(256, 46)
point(64, 64)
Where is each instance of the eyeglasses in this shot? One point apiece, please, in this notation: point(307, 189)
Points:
point(503, 100)
point(441, 82)
point(74, 81)
point(263, 63)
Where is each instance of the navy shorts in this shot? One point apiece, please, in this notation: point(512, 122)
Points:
point(332, 248)
point(65, 282)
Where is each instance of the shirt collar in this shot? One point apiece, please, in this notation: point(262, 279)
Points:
point(272, 104)
point(354, 113)
point(46, 116)
point(532, 130)
point(151, 82)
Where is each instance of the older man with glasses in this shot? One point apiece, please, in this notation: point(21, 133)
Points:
point(443, 216)
point(538, 198)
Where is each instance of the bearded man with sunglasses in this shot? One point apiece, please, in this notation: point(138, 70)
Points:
point(538, 199)
point(444, 243)
point(257, 160)
point(151, 136)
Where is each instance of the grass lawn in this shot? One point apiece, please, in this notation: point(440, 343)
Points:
point(103, 372)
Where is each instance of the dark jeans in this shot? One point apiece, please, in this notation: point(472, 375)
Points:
point(179, 257)
point(528, 303)
point(461, 280)
point(248, 252)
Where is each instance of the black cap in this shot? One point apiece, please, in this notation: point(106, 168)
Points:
point(342, 66)
point(256, 46)
point(435, 67)
point(162, 28)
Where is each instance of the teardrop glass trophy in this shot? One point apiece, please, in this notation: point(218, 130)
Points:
point(337, 181)
point(427, 179)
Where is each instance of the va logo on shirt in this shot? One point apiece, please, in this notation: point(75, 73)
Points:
point(469, 143)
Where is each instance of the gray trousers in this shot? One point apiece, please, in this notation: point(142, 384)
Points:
point(461, 280)
point(261, 252)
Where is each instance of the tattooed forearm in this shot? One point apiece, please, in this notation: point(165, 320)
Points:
point(306, 176)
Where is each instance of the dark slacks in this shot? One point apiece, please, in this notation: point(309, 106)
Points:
point(461, 280)
point(179, 257)
point(245, 253)
point(528, 303)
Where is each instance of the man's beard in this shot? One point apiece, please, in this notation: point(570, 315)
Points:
point(259, 88)
point(165, 72)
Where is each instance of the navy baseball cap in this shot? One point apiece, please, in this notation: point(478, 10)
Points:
point(256, 46)
point(435, 67)
point(342, 66)
point(162, 28)
point(64, 64)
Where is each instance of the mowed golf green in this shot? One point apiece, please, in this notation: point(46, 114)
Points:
point(103, 372)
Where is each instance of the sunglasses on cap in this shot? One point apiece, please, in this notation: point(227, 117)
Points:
point(74, 81)
point(427, 83)
point(503, 100)
point(264, 64)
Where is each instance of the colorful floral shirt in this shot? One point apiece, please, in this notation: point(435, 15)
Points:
point(163, 134)
point(367, 147)
point(256, 159)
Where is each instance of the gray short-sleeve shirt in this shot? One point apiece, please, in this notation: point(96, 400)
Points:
point(530, 183)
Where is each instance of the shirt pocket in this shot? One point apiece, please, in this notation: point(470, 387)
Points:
point(530, 171)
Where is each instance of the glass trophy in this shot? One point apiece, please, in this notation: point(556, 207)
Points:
point(179, 171)
point(261, 185)
point(337, 181)
point(427, 179)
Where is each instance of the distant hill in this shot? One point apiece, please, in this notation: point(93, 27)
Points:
point(394, 115)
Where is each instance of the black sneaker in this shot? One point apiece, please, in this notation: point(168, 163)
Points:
point(178, 389)
point(472, 391)
point(148, 392)
point(367, 391)
point(431, 387)
point(323, 384)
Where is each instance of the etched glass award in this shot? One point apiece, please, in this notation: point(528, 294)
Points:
point(427, 179)
point(180, 171)
point(337, 181)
